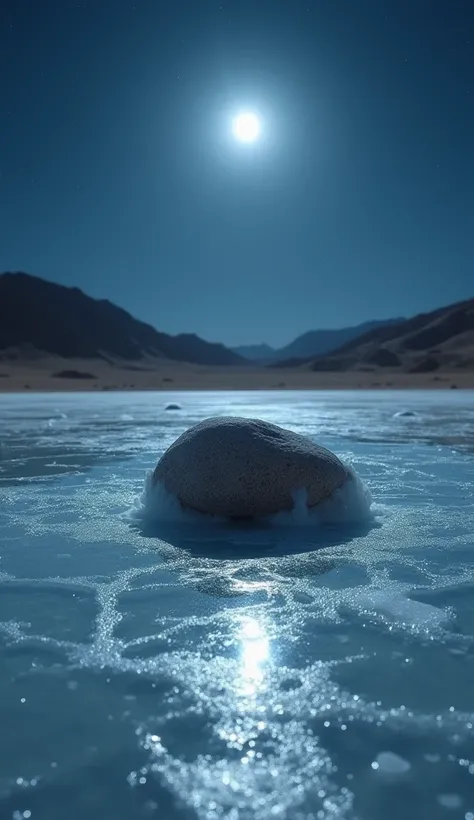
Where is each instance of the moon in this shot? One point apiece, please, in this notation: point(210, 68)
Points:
point(246, 127)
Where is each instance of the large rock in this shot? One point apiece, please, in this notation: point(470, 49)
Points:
point(246, 468)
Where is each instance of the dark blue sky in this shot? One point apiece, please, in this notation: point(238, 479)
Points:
point(119, 174)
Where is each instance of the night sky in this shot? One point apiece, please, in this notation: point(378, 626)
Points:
point(119, 172)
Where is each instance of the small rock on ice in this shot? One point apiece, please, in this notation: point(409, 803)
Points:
point(432, 758)
point(391, 764)
point(450, 801)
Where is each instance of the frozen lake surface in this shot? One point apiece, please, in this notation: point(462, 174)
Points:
point(202, 672)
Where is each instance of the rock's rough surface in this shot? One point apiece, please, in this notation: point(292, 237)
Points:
point(246, 468)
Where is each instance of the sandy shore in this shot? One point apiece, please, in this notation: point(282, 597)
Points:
point(39, 376)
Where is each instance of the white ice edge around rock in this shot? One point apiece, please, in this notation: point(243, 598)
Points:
point(350, 504)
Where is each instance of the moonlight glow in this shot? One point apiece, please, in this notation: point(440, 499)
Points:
point(246, 127)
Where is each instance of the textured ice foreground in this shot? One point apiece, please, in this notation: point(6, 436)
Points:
point(154, 667)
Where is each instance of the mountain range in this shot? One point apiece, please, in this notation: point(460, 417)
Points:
point(37, 316)
point(261, 353)
point(40, 319)
point(309, 345)
point(440, 340)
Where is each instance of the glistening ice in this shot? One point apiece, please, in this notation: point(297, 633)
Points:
point(160, 667)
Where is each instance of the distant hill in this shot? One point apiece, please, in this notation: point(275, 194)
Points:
point(256, 353)
point(318, 342)
point(39, 317)
point(440, 340)
point(308, 345)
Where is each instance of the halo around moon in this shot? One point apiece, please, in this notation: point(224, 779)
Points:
point(246, 127)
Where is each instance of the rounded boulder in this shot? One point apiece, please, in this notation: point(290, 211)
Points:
point(246, 468)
